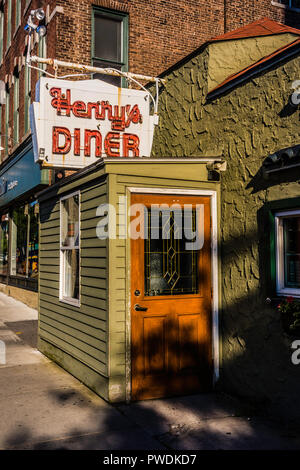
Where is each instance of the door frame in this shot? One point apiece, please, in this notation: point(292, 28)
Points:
point(212, 194)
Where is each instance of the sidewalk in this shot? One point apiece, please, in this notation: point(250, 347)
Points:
point(44, 407)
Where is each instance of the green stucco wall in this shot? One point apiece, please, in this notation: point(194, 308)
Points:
point(245, 125)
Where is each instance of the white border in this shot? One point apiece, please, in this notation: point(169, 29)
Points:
point(214, 270)
point(68, 300)
point(280, 289)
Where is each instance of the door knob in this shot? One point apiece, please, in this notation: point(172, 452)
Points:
point(138, 308)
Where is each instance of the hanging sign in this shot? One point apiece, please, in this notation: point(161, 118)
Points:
point(74, 123)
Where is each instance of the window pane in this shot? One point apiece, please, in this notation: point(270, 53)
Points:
point(108, 39)
point(70, 221)
point(19, 242)
point(170, 269)
point(4, 245)
point(33, 246)
point(71, 273)
point(291, 228)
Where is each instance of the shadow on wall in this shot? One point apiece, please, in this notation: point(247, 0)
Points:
point(256, 361)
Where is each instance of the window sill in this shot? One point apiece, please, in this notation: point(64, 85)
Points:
point(285, 7)
point(289, 293)
point(70, 301)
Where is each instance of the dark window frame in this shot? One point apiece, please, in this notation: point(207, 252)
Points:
point(115, 15)
point(290, 5)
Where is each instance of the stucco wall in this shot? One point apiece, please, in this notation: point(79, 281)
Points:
point(245, 125)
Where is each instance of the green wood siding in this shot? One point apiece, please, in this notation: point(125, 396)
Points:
point(81, 331)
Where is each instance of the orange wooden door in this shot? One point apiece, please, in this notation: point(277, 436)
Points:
point(171, 330)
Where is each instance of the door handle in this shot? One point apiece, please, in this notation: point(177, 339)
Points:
point(138, 308)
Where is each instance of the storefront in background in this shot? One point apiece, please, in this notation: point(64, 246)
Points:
point(20, 178)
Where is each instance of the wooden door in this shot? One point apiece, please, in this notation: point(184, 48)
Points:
point(171, 328)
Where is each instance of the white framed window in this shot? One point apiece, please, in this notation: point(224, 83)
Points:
point(291, 4)
point(70, 249)
point(287, 232)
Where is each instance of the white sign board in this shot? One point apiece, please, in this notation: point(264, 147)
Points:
point(74, 123)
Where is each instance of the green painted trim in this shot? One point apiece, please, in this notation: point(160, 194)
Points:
point(124, 18)
point(272, 251)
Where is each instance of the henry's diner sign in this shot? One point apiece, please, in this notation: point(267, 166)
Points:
point(74, 123)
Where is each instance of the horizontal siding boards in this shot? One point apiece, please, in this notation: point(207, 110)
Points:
point(63, 309)
point(79, 331)
point(82, 319)
point(49, 334)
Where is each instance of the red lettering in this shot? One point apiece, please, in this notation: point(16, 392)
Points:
point(134, 116)
point(61, 102)
point(111, 143)
point(121, 118)
point(105, 106)
point(88, 135)
point(79, 109)
point(92, 106)
point(56, 148)
point(118, 118)
point(131, 144)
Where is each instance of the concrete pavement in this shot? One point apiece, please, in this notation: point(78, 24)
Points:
point(44, 407)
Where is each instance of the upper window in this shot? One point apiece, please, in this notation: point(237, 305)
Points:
point(294, 4)
point(8, 25)
point(287, 226)
point(69, 249)
point(110, 45)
